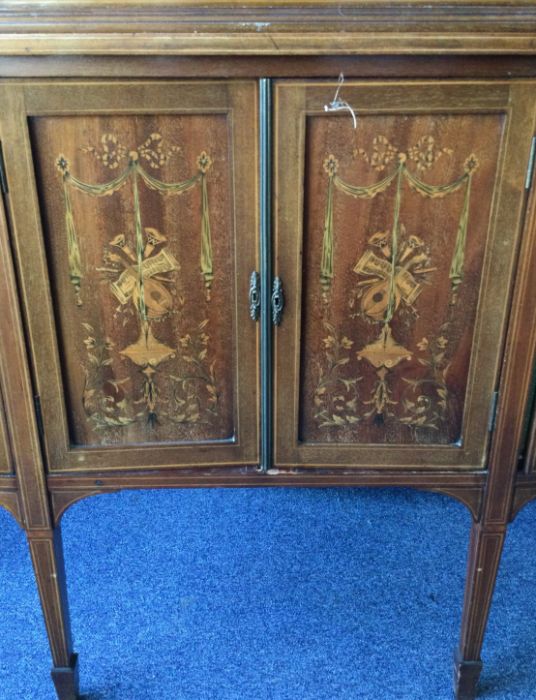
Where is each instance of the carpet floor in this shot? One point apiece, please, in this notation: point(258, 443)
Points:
point(312, 594)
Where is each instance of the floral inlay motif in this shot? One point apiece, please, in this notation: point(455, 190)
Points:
point(112, 152)
point(425, 400)
point(335, 396)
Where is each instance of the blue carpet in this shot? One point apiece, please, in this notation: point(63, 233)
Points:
point(268, 595)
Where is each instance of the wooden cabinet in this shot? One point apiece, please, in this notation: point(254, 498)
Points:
point(223, 265)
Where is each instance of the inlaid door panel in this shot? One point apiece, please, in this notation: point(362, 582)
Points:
point(135, 214)
point(397, 262)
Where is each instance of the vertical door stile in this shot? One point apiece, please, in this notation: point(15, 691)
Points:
point(265, 112)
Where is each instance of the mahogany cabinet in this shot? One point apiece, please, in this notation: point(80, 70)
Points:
point(223, 264)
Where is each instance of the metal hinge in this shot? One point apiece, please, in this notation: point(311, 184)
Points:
point(492, 418)
point(3, 178)
point(39, 416)
point(530, 166)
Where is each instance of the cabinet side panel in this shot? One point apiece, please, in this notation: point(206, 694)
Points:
point(6, 462)
point(137, 219)
point(530, 458)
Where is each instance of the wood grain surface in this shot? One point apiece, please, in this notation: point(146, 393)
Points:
point(108, 367)
point(219, 27)
point(6, 460)
point(425, 391)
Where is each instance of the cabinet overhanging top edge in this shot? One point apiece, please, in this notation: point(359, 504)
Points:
point(185, 27)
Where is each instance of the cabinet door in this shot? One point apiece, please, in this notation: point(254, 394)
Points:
point(395, 241)
point(134, 211)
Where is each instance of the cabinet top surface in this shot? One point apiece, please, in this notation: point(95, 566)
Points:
point(23, 5)
point(257, 27)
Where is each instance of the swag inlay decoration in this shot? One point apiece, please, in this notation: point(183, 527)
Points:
point(393, 271)
point(141, 274)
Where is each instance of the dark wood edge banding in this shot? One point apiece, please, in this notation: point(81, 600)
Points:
point(524, 493)
point(66, 490)
point(9, 498)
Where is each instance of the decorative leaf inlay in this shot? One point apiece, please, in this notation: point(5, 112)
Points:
point(336, 395)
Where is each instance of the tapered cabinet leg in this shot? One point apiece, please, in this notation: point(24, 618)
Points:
point(47, 557)
point(484, 556)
